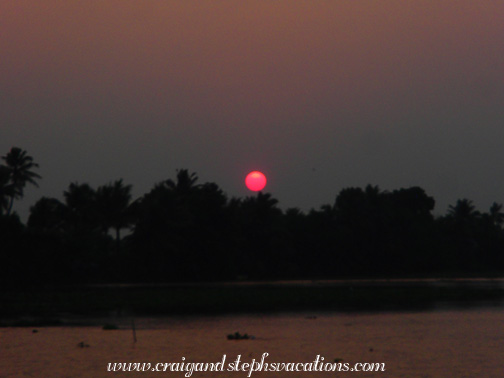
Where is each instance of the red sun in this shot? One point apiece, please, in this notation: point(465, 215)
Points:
point(255, 181)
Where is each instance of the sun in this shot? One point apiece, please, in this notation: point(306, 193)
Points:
point(255, 181)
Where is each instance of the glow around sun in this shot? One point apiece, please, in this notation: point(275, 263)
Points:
point(255, 181)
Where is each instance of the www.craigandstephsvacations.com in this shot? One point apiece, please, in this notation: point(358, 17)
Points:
point(317, 365)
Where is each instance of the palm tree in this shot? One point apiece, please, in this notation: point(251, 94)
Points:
point(261, 209)
point(463, 211)
point(80, 207)
point(20, 167)
point(185, 182)
point(113, 202)
point(496, 214)
point(6, 188)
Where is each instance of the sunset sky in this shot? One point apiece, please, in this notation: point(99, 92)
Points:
point(318, 95)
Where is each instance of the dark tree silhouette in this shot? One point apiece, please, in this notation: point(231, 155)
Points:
point(113, 207)
point(412, 202)
point(462, 230)
point(463, 212)
point(185, 183)
point(260, 223)
point(47, 214)
point(361, 228)
point(80, 201)
point(180, 230)
point(20, 167)
point(183, 230)
point(85, 236)
point(6, 189)
point(496, 215)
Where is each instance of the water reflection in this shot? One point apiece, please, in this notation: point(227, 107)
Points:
point(463, 343)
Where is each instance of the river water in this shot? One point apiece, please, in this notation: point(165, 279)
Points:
point(443, 343)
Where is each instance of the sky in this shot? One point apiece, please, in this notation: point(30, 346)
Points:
point(318, 95)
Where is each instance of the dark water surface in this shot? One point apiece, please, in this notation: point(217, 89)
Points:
point(425, 328)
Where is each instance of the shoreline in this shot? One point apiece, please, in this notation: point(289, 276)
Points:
point(49, 305)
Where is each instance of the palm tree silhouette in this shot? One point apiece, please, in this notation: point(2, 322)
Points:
point(20, 167)
point(6, 188)
point(463, 211)
point(80, 207)
point(113, 202)
point(185, 182)
point(496, 214)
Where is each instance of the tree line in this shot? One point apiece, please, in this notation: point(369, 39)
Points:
point(184, 230)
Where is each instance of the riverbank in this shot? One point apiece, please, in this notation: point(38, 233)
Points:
point(47, 305)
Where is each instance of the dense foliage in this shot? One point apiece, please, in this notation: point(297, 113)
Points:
point(186, 231)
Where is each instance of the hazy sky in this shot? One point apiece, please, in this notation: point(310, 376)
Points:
point(319, 95)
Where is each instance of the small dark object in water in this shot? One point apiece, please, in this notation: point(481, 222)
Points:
point(238, 336)
point(338, 359)
point(371, 349)
point(35, 331)
point(82, 344)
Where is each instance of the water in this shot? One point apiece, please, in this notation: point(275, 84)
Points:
point(446, 343)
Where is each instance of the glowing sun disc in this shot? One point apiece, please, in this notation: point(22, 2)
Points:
point(255, 181)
